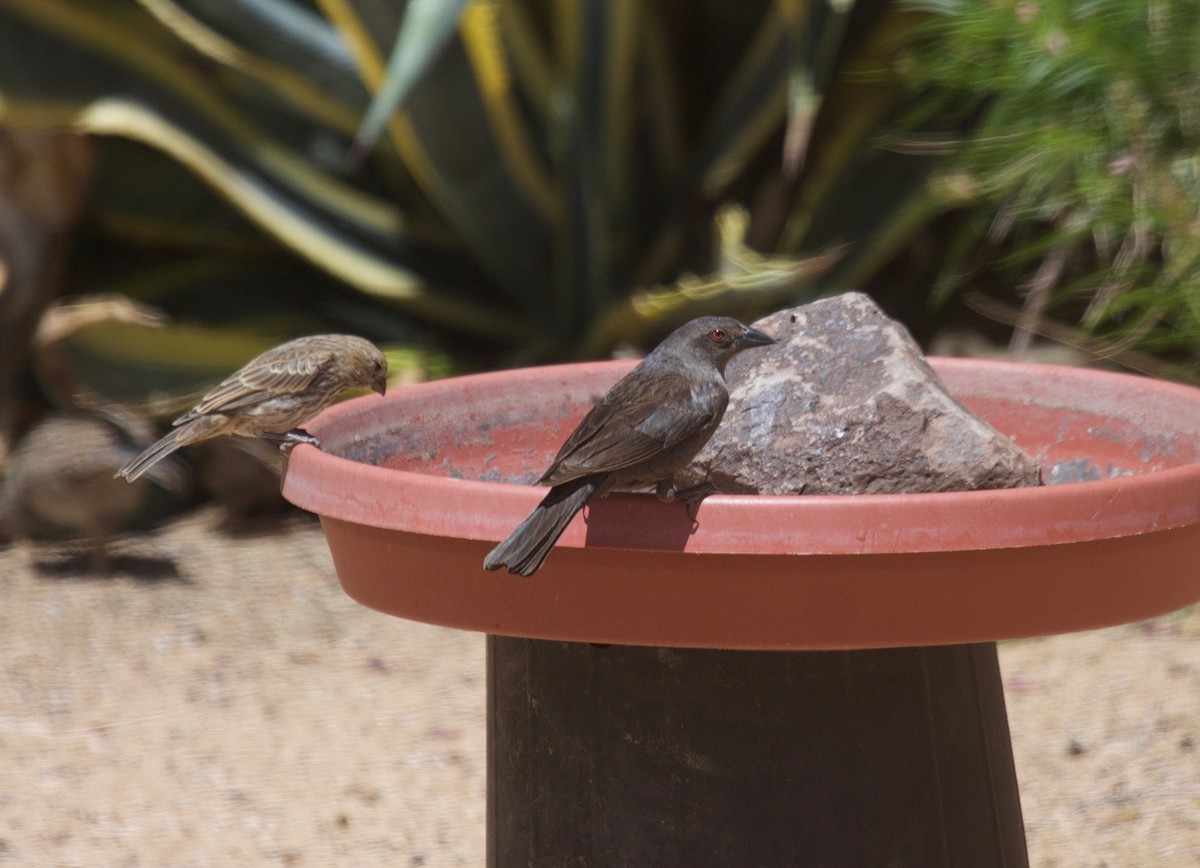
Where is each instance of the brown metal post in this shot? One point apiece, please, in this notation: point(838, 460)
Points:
point(626, 755)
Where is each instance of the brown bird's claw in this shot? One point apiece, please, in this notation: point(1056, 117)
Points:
point(293, 438)
point(299, 435)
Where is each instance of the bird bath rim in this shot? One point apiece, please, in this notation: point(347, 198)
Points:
point(767, 572)
point(408, 500)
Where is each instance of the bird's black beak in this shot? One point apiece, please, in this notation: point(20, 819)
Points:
point(752, 338)
point(380, 384)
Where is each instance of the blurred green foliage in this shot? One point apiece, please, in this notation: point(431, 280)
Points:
point(1078, 187)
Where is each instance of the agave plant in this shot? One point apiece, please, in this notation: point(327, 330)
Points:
point(490, 181)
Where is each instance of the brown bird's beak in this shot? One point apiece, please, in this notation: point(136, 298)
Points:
point(752, 338)
point(380, 384)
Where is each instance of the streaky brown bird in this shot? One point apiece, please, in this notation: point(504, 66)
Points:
point(639, 435)
point(273, 394)
point(59, 481)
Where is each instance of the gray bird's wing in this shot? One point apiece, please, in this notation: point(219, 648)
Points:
point(271, 374)
point(637, 421)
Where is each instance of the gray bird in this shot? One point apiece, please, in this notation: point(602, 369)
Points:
point(639, 435)
point(273, 394)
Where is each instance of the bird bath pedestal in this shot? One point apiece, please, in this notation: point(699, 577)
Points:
point(791, 680)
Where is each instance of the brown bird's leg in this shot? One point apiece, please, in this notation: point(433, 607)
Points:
point(292, 438)
point(692, 495)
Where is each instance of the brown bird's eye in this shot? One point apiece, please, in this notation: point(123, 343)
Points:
point(378, 366)
point(717, 335)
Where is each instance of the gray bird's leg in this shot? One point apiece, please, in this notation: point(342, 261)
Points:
point(692, 495)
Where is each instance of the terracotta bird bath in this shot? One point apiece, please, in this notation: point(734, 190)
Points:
point(790, 680)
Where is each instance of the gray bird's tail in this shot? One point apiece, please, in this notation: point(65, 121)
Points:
point(527, 546)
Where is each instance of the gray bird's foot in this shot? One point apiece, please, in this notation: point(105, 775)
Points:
point(691, 496)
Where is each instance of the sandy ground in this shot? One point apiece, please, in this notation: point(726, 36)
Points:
point(231, 706)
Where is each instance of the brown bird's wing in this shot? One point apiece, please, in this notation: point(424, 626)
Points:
point(270, 375)
point(636, 421)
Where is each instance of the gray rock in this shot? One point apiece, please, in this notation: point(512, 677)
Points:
point(846, 404)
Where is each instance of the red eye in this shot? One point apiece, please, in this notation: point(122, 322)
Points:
point(718, 335)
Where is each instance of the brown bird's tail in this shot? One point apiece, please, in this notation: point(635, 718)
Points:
point(191, 432)
point(527, 546)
